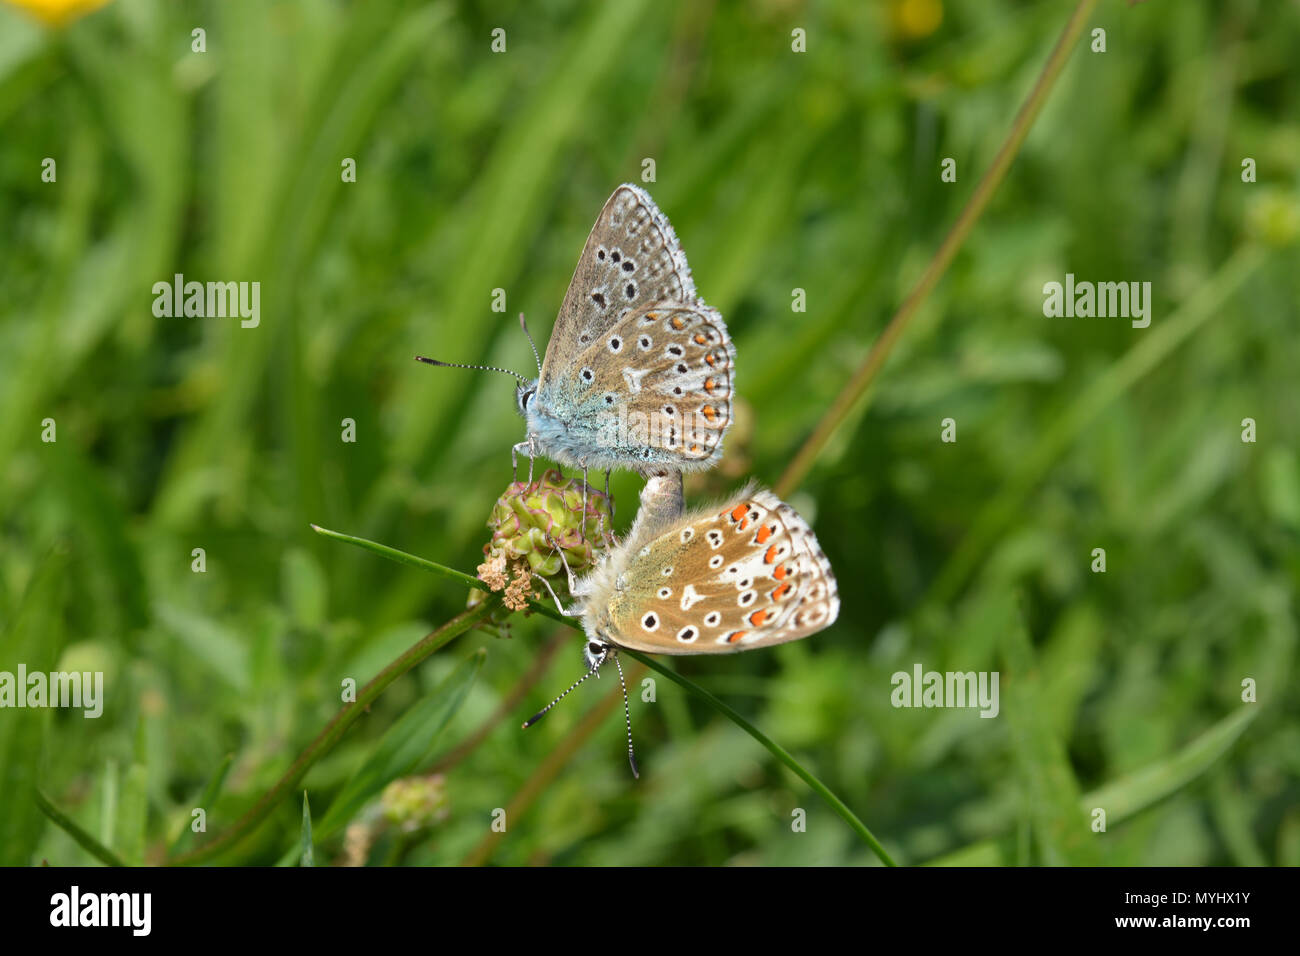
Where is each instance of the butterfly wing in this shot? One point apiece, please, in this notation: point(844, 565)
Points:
point(654, 389)
point(750, 575)
point(632, 258)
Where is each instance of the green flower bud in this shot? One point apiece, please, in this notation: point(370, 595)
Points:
point(412, 803)
point(1273, 216)
point(531, 523)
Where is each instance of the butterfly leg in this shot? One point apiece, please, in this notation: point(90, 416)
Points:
point(608, 524)
point(528, 447)
point(514, 459)
point(584, 499)
point(575, 611)
point(573, 582)
point(608, 498)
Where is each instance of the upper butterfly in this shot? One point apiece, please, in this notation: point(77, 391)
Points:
point(639, 372)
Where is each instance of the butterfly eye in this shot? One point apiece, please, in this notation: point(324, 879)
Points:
point(594, 649)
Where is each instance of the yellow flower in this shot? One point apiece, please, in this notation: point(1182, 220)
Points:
point(56, 13)
point(916, 19)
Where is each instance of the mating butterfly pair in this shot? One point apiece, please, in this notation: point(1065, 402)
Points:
point(639, 374)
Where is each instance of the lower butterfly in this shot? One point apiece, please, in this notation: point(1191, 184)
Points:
point(729, 578)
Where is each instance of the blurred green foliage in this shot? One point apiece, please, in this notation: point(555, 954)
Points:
point(817, 171)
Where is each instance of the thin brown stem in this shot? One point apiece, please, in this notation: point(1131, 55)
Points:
point(508, 706)
point(852, 393)
point(549, 767)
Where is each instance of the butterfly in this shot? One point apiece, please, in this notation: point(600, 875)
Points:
point(639, 372)
point(729, 578)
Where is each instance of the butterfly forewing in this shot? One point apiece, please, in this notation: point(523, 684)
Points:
point(632, 259)
point(748, 575)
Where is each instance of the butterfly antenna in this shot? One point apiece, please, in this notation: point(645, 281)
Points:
point(542, 713)
point(481, 368)
point(627, 717)
point(524, 325)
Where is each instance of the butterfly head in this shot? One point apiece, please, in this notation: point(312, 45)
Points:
point(525, 395)
point(596, 651)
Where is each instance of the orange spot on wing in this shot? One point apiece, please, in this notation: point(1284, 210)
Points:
point(709, 412)
point(763, 534)
point(709, 359)
point(780, 573)
point(708, 385)
point(738, 512)
point(652, 316)
point(780, 592)
point(770, 557)
point(677, 322)
point(757, 618)
point(735, 636)
point(743, 525)
point(699, 338)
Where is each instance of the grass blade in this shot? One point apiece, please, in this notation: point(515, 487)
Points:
point(307, 857)
point(34, 639)
point(776, 750)
point(70, 827)
point(209, 796)
point(334, 730)
point(406, 745)
point(401, 557)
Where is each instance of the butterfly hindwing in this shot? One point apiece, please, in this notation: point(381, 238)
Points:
point(632, 259)
point(656, 388)
point(749, 575)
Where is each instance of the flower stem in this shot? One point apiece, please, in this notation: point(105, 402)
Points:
point(337, 726)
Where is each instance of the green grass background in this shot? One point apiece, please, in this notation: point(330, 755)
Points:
point(779, 171)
